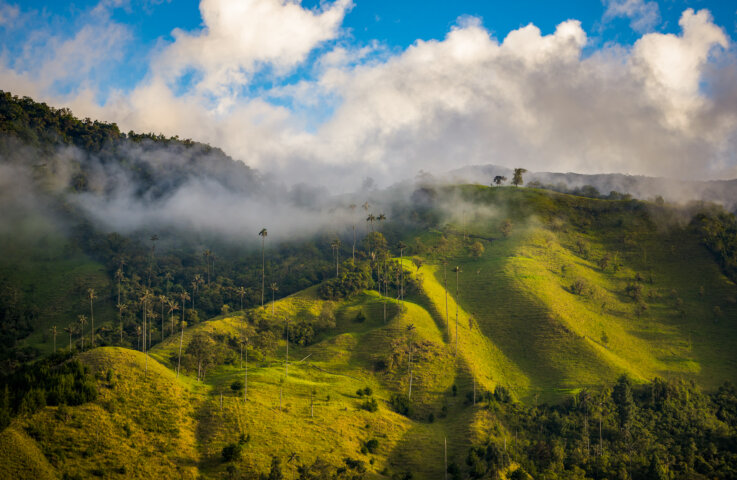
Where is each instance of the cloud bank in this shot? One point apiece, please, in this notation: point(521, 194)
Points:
point(664, 106)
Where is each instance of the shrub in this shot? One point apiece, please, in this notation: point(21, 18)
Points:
point(360, 317)
point(370, 405)
point(232, 452)
point(236, 386)
point(370, 446)
point(580, 287)
point(400, 404)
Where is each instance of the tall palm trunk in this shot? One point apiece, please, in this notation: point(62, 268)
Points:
point(263, 271)
point(445, 287)
point(457, 301)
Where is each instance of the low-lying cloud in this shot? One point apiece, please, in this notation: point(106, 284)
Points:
point(665, 106)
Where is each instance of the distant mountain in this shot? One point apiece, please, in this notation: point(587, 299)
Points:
point(678, 191)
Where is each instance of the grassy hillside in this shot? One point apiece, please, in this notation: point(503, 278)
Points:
point(555, 318)
point(570, 296)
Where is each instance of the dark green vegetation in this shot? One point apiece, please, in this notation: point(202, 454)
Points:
point(536, 333)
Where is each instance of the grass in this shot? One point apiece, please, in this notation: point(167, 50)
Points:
point(521, 324)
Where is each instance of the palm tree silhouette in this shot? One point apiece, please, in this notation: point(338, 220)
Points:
point(352, 206)
point(241, 291)
point(263, 233)
point(274, 289)
point(91, 293)
point(207, 254)
point(69, 330)
point(154, 239)
point(82, 323)
point(53, 332)
point(457, 269)
point(173, 306)
point(121, 308)
point(381, 218)
point(401, 247)
point(164, 301)
point(335, 245)
point(184, 296)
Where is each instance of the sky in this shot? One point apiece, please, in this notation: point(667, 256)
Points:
point(350, 93)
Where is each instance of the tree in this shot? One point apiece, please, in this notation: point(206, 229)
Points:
point(457, 269)
point(274, 289)
point(352, 208)
point(506, 227)
point(275, 472)
point(92, 296)
point(335, 246)
point(69, 330)
point(410, 341)
point(499, 179)
point(201, 348)
point(445, 287)
point(173, 306)
point(207, 254)
point(184, 296)
point(381, 218)
point(196, 282)
point(517, 178)
point(263, 233)
point(401, 247)
point(164, 301)
point(53, 332)
point(154, 239)
point(82, 323)
point(622, 398)
point(241, 291)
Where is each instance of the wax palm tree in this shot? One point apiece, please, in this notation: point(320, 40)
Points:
point(119, 277)
point(445, 287)
point(164, 301)
point(121, 308)
point(241, 291)
point(82, 323)
point(92, 296)
point(274, 289)
point(381, 218)
point(69, 330)
point(172, 306)
point(352, 207)
point(207, 254)
point(263, 233)
point(335, 245)
point(401, 247)
point(53, 332)
point(184, 296)
point(457, 269)
point(154, 239)
point(410, 334)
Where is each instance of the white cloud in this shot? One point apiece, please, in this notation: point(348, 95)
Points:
point(239, 36)
point(643, 15)
point(529, 100)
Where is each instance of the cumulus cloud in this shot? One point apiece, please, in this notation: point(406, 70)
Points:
point(643, 15)
point(663, 106)
point(239, 36)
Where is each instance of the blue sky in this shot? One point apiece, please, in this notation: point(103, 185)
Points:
point(340, 90)
point(396, 24)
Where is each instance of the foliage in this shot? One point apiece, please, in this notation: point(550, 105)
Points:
point(56, 380)
point(400, 404)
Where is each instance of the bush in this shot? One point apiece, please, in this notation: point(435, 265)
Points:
point(370, 446)
point(360, 317)
point(236, 386)
point(580, 287)
point(370, 405)
point(400, 404)
point(232, 452)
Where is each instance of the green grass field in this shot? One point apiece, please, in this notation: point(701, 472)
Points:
point(521, 323)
